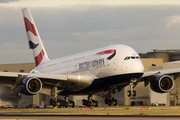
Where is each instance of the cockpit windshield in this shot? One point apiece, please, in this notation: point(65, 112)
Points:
point(131, 57)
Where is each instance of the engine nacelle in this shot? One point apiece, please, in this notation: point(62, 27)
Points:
point(30, 86)
point(162, 84)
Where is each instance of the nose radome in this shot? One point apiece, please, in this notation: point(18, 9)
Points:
point(138, 67)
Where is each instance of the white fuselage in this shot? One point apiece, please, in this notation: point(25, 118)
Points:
point(96, 65)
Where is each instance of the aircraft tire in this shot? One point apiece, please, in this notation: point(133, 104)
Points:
point(115, 102)
point(134, 93)
point(66, 104)
point(51, 101)
point(106, 100)
point(129, 93)
point(89, 103)
point(60, 102)
point(96, 103)
point(109, 102)
point(83, 102)
point(72, 104)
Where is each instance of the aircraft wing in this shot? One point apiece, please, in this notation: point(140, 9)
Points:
point(148, 75)
point(162, 71)
point(74, 82)
point(162, 81)
point(7, 78)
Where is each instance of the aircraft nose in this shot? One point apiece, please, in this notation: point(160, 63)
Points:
point(138, 67)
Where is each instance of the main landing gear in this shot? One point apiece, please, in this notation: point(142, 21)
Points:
point(131, 92)
point(56, 102)
point(66, 102)
point(110, 100)
point(90, 102)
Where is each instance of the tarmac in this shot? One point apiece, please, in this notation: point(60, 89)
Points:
point(100, 113)
point(92, 117)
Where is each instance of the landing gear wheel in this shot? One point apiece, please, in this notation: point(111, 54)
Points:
point(83, 102)
point(115, 102)
point(134, 93)
point(51, 101)
point(109, 102)
point(66, 104)
point(89, 103)
point(106, 100)
point(72, 104)
point(96, 103)
point(129, 93)
point(60, 103)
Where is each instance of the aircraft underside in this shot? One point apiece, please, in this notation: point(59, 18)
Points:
point(107, 84)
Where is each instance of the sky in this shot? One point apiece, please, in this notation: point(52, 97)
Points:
point(71, 26)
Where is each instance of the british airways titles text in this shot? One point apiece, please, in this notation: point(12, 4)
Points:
point(92, 63)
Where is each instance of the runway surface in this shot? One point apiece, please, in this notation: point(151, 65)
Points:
point(99, 113)
point(92, 117)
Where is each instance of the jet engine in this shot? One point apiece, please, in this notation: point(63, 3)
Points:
point(30, 86)
point(162, 84)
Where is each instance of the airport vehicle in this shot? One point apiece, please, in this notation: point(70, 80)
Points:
point(103, 70)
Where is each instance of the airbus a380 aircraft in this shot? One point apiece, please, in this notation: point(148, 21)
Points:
point(104, 70)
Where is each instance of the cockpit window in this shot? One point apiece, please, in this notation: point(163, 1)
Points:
point(125, 58)
point(137, 57)
point(131, 57)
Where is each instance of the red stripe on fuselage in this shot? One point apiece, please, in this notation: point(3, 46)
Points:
point(29, 26)
point(107, 52)
point(39, 58)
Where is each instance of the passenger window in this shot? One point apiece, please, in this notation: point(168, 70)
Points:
point(137, 57)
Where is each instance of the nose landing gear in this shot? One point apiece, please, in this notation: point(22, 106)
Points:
point(131, 92)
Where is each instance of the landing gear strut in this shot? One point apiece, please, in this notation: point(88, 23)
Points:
point(110, 100)
point(90, 102)
point(54, 102)
point(131, 92)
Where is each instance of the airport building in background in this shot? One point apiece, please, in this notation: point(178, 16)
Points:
point(167, 55)
point(158, 59)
